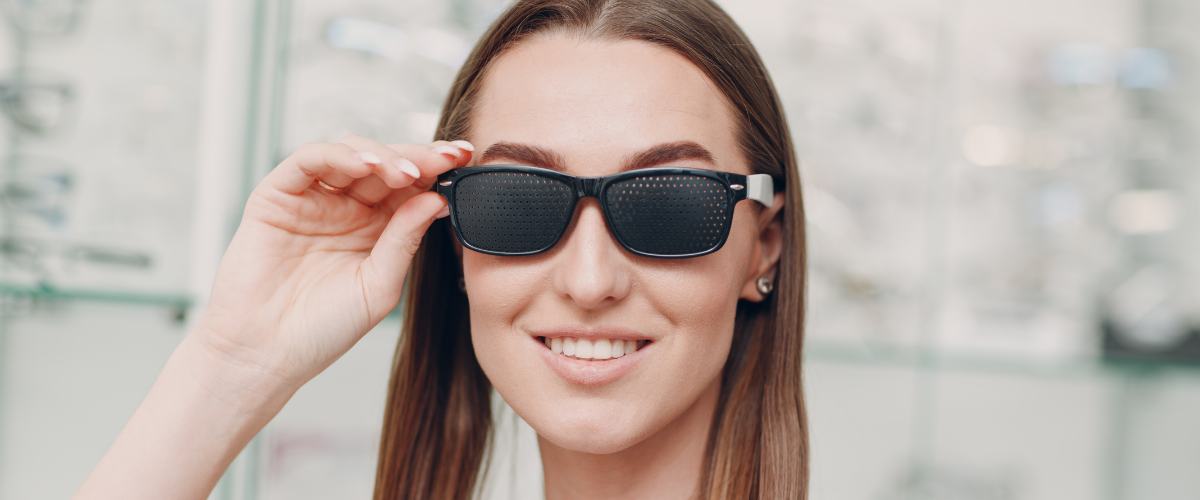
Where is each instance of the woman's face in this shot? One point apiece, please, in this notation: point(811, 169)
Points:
point(593, 109)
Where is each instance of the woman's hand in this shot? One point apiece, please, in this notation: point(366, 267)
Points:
point(311, 270)
point(308, 273)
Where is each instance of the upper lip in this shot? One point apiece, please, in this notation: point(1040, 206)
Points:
point(592, 333)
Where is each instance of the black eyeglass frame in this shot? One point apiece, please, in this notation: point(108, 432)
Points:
point(738, 187)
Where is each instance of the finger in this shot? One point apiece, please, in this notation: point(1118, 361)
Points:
point(464, 145)
point(459, 151)
point(393, 201)
point(464, 148)
point(433, 160)
point(371, 190)
point(384, 270)
point(394, 170)
point(335, 164)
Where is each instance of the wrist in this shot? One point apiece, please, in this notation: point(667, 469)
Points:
point(237, 379)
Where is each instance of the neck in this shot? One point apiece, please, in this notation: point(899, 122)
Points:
point(667, 465)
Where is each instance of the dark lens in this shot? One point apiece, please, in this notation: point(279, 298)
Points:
point(512, 212)
point(668, 214)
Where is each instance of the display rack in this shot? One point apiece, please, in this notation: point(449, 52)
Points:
point(885, 109)
point(95, 186)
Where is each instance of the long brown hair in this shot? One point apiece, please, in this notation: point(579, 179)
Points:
point(438, 421)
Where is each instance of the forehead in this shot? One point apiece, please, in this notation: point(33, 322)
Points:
point(594, 103)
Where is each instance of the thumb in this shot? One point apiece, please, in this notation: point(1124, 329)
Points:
point(383, 271)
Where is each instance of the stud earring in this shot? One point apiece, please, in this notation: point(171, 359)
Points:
point(765, 285)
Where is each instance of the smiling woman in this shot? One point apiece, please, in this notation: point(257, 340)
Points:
point(708, 400)
point(623, 263)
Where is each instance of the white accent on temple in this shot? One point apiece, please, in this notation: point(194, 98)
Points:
point(760, 187)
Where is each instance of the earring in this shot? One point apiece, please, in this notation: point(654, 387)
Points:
point(462, 284)
point(765, 285)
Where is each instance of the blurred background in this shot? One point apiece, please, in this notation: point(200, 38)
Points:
point(1002, 201)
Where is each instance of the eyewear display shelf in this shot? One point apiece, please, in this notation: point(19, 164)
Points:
point(47, 292)
point(95, 171)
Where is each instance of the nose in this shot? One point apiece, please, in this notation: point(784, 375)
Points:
point(591, 269)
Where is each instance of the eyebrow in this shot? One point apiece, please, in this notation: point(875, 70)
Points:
point(537, 156)
point(523, 154)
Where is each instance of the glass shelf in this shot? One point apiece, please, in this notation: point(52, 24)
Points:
point(942, 360)
point(43, 291)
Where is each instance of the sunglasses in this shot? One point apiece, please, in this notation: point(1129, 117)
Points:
point(656, 212)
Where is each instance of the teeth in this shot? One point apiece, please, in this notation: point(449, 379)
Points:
point(584, 349)
point(603, 349)
point(593, 349)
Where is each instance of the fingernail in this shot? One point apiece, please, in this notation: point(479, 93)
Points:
point(447, 150)
point(367, 157)
point(463, 145)
point(443, 212)
point(408, 167)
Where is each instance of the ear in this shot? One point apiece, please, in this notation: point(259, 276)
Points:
point(765, 258)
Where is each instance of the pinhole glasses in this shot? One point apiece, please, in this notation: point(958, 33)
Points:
point(664, 212)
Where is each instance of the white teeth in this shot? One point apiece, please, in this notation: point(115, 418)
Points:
point(603, 349)
point(593, 349)
point(584, 349)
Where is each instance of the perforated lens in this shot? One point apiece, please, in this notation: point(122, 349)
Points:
point(668, 214)
point(512, 212)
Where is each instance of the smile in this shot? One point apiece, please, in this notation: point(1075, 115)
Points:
point(592, 356)
point(598, 349)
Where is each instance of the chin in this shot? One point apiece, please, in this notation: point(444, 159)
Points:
point(589, 423)
point(589, 434)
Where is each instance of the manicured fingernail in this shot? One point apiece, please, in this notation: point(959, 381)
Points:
point(408, 167)
point(367, 157)
point(443, 212)
point(448, 150)
point(463, 145)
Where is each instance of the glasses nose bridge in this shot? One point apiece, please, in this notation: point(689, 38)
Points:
point(588, 186)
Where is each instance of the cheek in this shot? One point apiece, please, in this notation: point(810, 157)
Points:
point(699, 298)
point(500, 287)
point(503, 292)
point(699, 304)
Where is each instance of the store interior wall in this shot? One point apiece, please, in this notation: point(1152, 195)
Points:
point(984, 181)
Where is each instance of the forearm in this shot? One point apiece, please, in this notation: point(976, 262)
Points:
point(295, 290)
point(197, 417)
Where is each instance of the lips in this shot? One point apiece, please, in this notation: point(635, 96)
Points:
point(592, 357)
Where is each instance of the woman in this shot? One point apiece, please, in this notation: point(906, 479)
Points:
point(647, 325)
